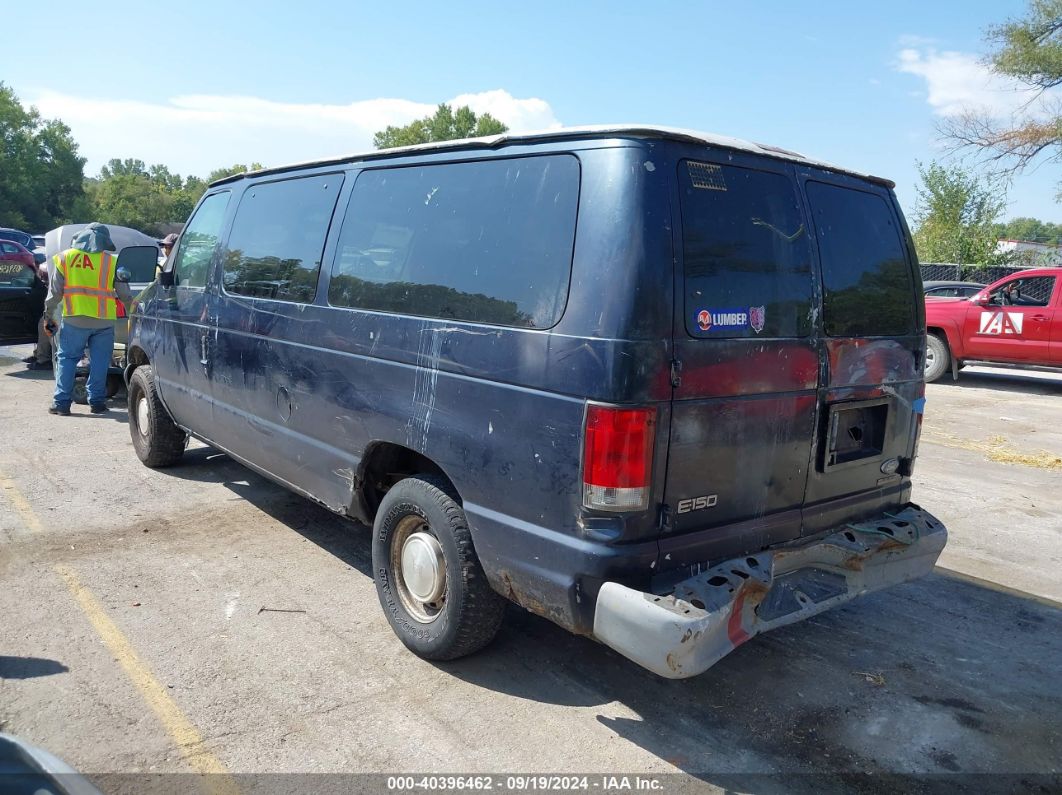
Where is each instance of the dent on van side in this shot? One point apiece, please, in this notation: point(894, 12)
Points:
point(664, 389)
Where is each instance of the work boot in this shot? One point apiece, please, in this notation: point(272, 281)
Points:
point(62, 411)
point(29, 359)
point(98, 408)
point(35, 365)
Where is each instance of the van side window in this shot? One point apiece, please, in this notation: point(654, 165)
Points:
point(191, 263)
point(487, 241)
point(867, 285)
point(746, 252)
point(274, 249)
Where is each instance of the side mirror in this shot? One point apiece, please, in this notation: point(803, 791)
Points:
point(166, 278)
point(979, 299)
point(39, 258)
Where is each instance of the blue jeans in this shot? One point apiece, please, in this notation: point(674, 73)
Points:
point(72, 343)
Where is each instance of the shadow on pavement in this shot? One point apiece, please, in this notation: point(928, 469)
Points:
point(29, 667)
point(31, 375)
point(343, 538)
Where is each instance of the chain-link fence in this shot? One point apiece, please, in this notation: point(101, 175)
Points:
point(985, 274)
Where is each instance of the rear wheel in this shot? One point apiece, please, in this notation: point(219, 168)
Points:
point(156, 438)
point(430, 582)
point(938, 358)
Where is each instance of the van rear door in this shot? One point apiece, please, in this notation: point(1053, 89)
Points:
point(744, 409)
point(873, 320)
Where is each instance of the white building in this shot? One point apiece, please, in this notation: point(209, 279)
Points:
point(1030, 254)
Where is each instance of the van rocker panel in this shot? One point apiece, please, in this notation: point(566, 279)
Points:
point(710, 614)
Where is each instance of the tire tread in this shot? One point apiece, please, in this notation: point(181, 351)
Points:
point(166, 441)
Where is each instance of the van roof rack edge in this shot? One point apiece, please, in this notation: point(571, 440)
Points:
point(562, 133)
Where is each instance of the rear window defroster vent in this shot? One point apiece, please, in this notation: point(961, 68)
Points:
point(706, 176)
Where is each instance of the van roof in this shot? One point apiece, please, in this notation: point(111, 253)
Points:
point(571, 133)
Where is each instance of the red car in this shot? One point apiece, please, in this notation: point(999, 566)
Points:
point(10, 251)
point(22, 294)
point(1014, 321)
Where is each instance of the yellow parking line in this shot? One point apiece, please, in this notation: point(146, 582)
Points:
point(22, 506)
point(189, 741)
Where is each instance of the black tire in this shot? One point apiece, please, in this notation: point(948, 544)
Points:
point(80, 392)
point(160, 443)
point(938, 357)
point(467, 615)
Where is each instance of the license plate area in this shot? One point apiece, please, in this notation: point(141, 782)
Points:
point(855, 432)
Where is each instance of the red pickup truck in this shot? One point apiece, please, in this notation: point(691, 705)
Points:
point(1014, 321)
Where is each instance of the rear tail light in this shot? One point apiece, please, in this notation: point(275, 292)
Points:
point(618, 458)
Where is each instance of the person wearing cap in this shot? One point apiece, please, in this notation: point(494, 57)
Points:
point(165, 249)
point(83, 283)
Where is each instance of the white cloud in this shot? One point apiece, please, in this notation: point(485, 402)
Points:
point(958, 81)
point(194, 134)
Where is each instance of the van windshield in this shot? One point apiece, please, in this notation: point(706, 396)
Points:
point(868, 289)
point(746, 253)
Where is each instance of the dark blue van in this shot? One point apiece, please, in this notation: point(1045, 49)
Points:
point(662, 388)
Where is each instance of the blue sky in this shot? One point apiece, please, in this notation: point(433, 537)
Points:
point(211, 83)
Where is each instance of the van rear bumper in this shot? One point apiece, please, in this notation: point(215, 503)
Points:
point(712, 613)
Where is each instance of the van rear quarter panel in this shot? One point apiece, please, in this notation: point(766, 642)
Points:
point(302, 391)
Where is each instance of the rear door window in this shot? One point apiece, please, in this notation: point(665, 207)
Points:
point(868, 290)
point(486, 241)
point(746, 253)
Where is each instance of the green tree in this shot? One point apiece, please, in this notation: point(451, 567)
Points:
point(41, 173)
point(130, 167)
point(1031, 229)
point(132, 200)
point(955, 216)
point(239, 168)
point(445, 124)
point(1029, 50)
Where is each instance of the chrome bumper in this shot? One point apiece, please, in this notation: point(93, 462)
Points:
point(712, 613)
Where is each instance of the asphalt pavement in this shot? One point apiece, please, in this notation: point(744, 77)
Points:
point(201, 619)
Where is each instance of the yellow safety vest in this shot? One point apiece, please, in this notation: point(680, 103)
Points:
point(88, 283)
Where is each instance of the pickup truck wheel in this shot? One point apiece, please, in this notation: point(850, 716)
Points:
point(938, 358)
point(431, 585)
point(156, 438)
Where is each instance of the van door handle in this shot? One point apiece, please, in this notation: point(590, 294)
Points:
point(204, 341)
point(1040, 318)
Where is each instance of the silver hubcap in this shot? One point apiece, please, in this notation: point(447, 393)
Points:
point(420, 569)
point(143, 417)
point(930, 358)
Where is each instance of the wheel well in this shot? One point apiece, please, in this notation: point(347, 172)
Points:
point(384, 465)
point(940, 334)
point(135, 358)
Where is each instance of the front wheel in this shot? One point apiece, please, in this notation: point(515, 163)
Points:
point(156, 438)
point(430, 582)
point(937, 357)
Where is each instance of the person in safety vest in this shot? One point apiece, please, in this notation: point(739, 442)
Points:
point(83, 282)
